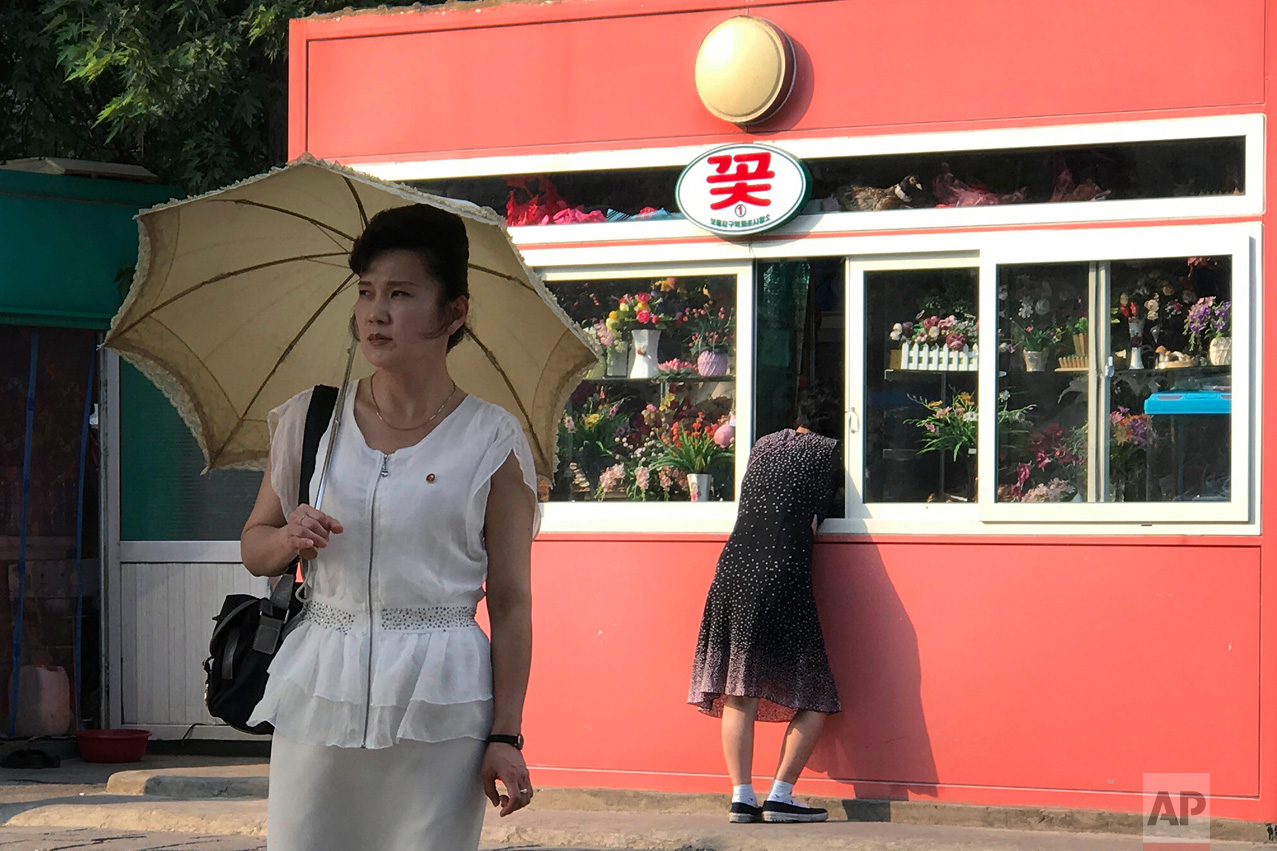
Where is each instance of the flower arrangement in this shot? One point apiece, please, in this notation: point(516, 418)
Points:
point(1130, 438)
point(1045, 478)
point(952, 428)
point(1036, 314)
point(594, 429)
point(953, 331)
point(1035, 337)
point(711, 331)
point(599, 330)
point(691, 448)
point(645, 310)
point(674, 368)
point(1206, 320)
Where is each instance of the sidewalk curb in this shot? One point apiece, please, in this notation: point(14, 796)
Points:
point(250, 781)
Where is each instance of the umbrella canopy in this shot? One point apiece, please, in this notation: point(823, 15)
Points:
point(242, 298)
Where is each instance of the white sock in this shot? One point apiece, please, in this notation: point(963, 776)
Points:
point(744, 795)
point(782, 792)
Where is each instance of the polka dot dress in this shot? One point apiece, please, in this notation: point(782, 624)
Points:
point(760, 636)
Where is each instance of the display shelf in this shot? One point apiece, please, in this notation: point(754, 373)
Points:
point(918, 374)
point(667, 379)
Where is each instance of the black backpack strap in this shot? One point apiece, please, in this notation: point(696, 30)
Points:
point(322, 401)
point(282, 598)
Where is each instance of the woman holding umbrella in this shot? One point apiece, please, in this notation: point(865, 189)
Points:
point(393, 713)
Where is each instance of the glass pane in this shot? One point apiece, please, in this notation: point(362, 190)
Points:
point(1044, 328)
point(163, 495)
point(1170, 403)
point(1073, 174)
point(920, 385)
point(657, 415)
point(45, 585)
point(798, 338)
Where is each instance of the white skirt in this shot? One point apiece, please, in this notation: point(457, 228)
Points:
point(413, 796)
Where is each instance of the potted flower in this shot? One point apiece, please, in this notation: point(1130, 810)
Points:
point(692, 450)
point(1208, 326)
point(589, 436)
point(950, 338)
point(1130, 438)
point(711, 337)
point(951, 428)
point(1034, 339)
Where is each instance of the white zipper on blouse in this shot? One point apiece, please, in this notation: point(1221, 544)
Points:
point(372, 532)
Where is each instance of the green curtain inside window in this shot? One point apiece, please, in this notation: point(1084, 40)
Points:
point(780, 325)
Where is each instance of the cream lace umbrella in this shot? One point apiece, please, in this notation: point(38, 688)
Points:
point(242, 298)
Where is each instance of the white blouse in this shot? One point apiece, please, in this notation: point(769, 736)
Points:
point(388, 648)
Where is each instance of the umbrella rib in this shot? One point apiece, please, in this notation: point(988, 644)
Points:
point(280, 360)
point(167, 367)
point(512, 278)
point(287, 212)
point(514, 394)
point(359, 202)
point(222, 276)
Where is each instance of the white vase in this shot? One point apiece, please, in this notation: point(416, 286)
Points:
point(1136, 358)
point(1035, 361)
point(618, 356)
point(698, 486)
point(645, 343)
point(1221, 351)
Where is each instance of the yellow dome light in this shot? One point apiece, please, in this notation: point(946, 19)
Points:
point(745, 70)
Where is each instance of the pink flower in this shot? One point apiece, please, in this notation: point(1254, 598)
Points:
point(644, 316)
point(640, 478)
point(643, 297)
point(725, 435)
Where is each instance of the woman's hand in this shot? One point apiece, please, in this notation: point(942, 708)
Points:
point(308, 530)
point(505, 763)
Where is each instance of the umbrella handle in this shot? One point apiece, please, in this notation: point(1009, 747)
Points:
point(335, 427)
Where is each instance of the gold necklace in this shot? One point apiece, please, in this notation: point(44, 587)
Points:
point(372, 390)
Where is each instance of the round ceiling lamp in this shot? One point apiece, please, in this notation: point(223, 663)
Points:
point(745, 70)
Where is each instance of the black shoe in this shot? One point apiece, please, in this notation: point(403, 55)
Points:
point(742, 813)
point(775, 811)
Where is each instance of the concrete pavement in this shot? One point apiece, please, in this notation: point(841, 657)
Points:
point(179, 803)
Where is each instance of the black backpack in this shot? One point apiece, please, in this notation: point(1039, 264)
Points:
point(248, 629)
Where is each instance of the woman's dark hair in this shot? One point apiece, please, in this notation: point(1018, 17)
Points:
point(438, 236)
point(820, 410)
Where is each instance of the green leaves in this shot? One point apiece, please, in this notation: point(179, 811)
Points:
point(194, 90)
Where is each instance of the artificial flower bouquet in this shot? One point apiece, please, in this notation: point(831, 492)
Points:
point(953, 332)
point(711, 330)
point(1207, 319)
point(691, 447)
point(641, 311)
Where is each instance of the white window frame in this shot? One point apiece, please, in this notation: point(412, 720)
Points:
point(638, 249)
point(675, 516)
point(599, 243)
point(1241, 242)
point(857, 510)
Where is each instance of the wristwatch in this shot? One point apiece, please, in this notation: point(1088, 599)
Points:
point(499, 739)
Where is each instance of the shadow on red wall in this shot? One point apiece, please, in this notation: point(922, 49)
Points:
point(881, 736)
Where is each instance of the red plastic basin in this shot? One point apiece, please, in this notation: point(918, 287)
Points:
point(112, 745)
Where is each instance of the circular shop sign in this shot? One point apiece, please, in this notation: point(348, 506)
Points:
point(737, 190)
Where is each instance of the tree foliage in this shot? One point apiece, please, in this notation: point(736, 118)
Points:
point(195, 90)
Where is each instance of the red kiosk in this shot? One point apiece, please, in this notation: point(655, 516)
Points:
point(1036, 230)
